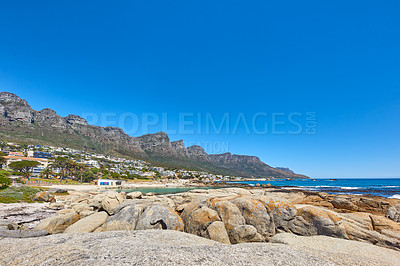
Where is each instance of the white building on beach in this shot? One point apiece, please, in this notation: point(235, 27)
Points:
point(109, 183)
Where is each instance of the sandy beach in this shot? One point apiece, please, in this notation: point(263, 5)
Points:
point(131, 185)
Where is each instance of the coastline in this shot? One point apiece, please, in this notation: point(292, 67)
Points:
point(388, 188)
point(334, 187)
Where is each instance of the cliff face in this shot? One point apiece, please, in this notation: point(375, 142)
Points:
point(179, 148)
point(18, 121)
point(14, 108)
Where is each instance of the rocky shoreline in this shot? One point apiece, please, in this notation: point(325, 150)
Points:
point(229, 216)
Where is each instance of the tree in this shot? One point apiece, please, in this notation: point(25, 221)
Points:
point(115, 175)
point(88, 176)
point(4, 181)
point(71, 168)
point(81, 167)
point(62, 164)
point(25, 167)
point(47, 172)
point(2, 161)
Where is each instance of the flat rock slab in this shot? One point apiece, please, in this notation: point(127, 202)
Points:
point(341, 251)
point(27, 214)
point(164, 247)
point(22, 233)
point(147, 247)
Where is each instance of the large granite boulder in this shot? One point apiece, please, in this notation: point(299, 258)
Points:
point(44, 196)
point(96, 201)
point(229, 213)
point(141, 214)
point(134, 195)
point(86, 213)
point(81, 198)
point(217, 232)
point(197, 217)
point(383, 225)
point(244, 234)
point(282, 212)
point(344, 203)
point(111, 200)
point(159, 217)
point(372, 205)
point(125, 217)
point(393, 213)
point(88, 224)
point(318, 221)
point(44, 223)
point(82, 207)
point(255, 214)
point(371, 228)
point(356, 232)
point(57, 224)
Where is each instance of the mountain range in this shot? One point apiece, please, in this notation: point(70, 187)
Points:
point(19, 122)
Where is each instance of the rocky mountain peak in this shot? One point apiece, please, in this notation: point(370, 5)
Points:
point(157, 143)
point(197, 152)
point(178, 145)
point(48, 111)
point(9, 98)
point(285, 169)
point(14, 108)
point(48, 118)
point(76, 120)
point(18, 120)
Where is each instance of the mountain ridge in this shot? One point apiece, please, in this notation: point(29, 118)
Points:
point(19, 120)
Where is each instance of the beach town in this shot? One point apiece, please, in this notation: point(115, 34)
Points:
point(121, 196)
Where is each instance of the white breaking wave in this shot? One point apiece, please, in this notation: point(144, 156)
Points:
point(395, 196)
point(350, 187)
point(298, 188)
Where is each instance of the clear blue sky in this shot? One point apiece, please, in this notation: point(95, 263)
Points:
point(339, 59)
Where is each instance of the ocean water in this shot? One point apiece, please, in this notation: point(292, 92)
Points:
point(385, 187)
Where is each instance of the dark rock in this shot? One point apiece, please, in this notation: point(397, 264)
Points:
point(57, 190)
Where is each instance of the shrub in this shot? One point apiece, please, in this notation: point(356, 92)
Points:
point(13, 194)
point(4, 182)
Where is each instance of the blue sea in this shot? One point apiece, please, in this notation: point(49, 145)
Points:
point(385, 187)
